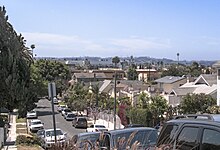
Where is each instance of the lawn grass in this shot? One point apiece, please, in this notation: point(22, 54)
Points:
point(20, 126)
point(24, 147)
point(20, 120)
point(21, 131)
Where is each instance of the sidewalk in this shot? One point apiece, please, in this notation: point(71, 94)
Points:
point(10, 142)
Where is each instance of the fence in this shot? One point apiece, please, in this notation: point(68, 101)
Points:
point(107, 119)
point(2, 137)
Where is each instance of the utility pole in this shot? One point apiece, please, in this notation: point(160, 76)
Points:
point(52, 92)
point(115, 101)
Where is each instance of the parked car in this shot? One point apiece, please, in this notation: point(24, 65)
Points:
point(49, 137)
point(65, 111)
point(31, 114)
point(40, 134)
point(124, 138)
point(90, 121)
point(96, 128)
point(184, 134)
point(79, 122)
point(35, 125)
point(92, 137)
point(70, 116)
point(55, 100)
point(133, 125)
point(61, 107)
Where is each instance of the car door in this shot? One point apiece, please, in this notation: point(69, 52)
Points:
point(188, 138)
point(210, 139)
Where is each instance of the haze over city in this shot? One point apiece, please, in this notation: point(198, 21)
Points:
point(154, 28)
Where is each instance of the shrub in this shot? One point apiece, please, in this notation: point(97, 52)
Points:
point(27, 140)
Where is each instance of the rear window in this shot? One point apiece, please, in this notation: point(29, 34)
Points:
point(216, 118)
point(99, 126)
point(167, 134)
point(82, 119)
point(146, 138)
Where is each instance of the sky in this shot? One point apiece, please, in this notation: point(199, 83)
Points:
point(106, 28)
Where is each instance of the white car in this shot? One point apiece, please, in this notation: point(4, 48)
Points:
point(31, 114)
point(49, 137)
point(96, 128)
point(55, 100)
point(35, 125)
point(69, 116)
point(61, 107)
point(65, 111)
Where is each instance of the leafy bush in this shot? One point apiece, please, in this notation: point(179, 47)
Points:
point(27, 140)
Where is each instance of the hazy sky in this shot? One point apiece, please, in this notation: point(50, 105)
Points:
point(154, 28)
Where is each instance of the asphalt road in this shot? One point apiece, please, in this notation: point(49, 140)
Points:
point(44, 111)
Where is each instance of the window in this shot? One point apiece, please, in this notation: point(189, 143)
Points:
point(167, 135)
point(187, 139)
point(210, 140)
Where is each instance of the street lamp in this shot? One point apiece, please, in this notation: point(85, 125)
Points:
point(115, 101)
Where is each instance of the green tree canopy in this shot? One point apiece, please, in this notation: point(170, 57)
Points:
point(45, 71)
point(132, 73)
point(194, 103)
point(16, 86)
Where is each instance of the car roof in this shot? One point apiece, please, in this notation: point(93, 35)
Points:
point(194, 121)
point(87, 133)
point(131, 130)
point(213, 117)
point(36, 120)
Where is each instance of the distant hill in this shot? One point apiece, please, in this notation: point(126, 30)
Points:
point(137, 60)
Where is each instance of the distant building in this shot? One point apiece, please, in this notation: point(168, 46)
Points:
point(110, 73)
point(88, 77)
point(167, 83)
point(147, 74)
point(217, 66)
point(205, 83)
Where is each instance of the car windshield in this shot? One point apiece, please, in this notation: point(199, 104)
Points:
point(71, 115)
point(51, 133)
point(36, 122)
point(67, 110)
point(99, 126)
point(32, 111)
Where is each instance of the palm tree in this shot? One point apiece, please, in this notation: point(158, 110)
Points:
point(115, 60)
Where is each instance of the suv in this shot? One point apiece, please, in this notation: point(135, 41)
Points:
point(35, 125)
point(186, 134)
point(79, 122)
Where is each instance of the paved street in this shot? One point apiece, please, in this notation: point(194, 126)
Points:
point(44, 111)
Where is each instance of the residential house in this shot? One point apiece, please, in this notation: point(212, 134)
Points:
point(84, 77)
point(205, 83)
point(110, 73)
point(126, 88)
point(217, 66)
point(147, 74)
point(167, 83)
